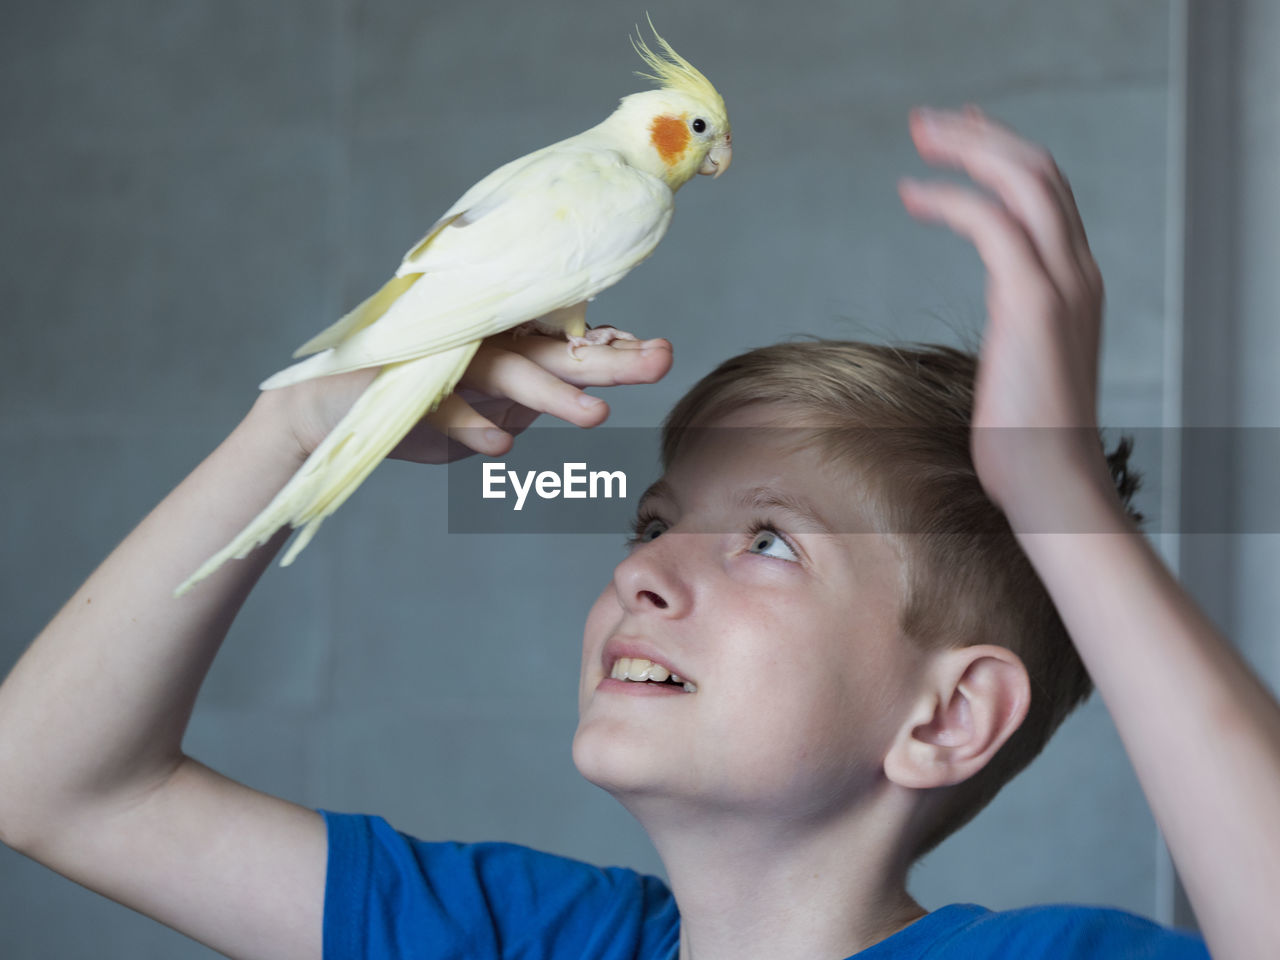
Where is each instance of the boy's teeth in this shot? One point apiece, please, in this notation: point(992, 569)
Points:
point(640, 669)
point(656, 672)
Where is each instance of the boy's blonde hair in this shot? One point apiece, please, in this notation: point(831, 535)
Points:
point(908, 412)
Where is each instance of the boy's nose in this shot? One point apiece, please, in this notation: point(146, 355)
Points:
point(648, 581)
point(653, 598)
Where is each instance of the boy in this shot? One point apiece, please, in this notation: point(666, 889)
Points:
point(809, 752)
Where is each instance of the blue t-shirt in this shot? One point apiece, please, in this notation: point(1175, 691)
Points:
point(389, 895)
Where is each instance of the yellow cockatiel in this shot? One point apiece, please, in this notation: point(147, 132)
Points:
point(534, 240)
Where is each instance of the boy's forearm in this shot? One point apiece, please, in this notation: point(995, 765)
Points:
point(1201, 730)
point(97, 707)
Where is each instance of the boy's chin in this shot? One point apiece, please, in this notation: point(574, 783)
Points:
point(613, 767)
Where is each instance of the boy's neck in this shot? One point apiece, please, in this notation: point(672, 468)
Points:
point(748, 889)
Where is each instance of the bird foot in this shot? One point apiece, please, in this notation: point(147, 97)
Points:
point(597, 336)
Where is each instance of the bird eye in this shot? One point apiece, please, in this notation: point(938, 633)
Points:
point(699, 125)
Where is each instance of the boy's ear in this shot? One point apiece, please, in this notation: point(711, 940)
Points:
point(975, 698)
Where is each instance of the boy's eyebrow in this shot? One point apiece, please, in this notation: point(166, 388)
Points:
point(763, 498)
point(755, 498)
point(659, 488)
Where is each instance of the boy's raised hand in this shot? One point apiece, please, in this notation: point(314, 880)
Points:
point(512, 380)
point(1038, 366)
point(1201, 730)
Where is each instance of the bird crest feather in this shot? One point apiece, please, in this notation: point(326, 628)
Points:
point(673, 72)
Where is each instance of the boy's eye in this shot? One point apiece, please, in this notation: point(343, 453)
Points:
point(645, 529)
point(769, 543)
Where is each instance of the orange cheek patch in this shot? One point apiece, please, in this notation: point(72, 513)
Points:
point(670, 135)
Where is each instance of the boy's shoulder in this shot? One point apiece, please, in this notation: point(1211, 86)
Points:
point(1057, 930)
point(386, 891)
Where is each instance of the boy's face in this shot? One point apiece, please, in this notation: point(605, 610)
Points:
point(748, 583)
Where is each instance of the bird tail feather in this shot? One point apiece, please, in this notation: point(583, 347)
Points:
point(396, 400)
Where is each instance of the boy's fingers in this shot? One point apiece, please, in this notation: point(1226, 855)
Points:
point(458, 421)
point(1023, 175)
point(1036, 157)
point(513, 380)
point(973, 127)
point(511, 416)
point(1006, 250)
point(1040, 159)
point(599, 365)
point(503, 373)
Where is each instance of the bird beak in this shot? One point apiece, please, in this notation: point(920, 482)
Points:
point(718, 157)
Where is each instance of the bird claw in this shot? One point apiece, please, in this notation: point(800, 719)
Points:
point(597, 336)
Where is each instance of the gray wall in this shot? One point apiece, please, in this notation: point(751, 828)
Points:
point(1223, 369)
point(194, 188)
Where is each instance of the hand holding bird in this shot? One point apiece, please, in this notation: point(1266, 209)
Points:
point(529, 245)
point(512, 380)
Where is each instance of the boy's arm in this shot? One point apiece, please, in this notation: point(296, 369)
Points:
point(1202, 732)
point(94, 781)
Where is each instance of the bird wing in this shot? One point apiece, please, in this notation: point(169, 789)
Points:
point(479, 199)
point(552, 231)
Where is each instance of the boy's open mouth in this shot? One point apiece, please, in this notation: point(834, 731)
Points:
point(640, 670)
